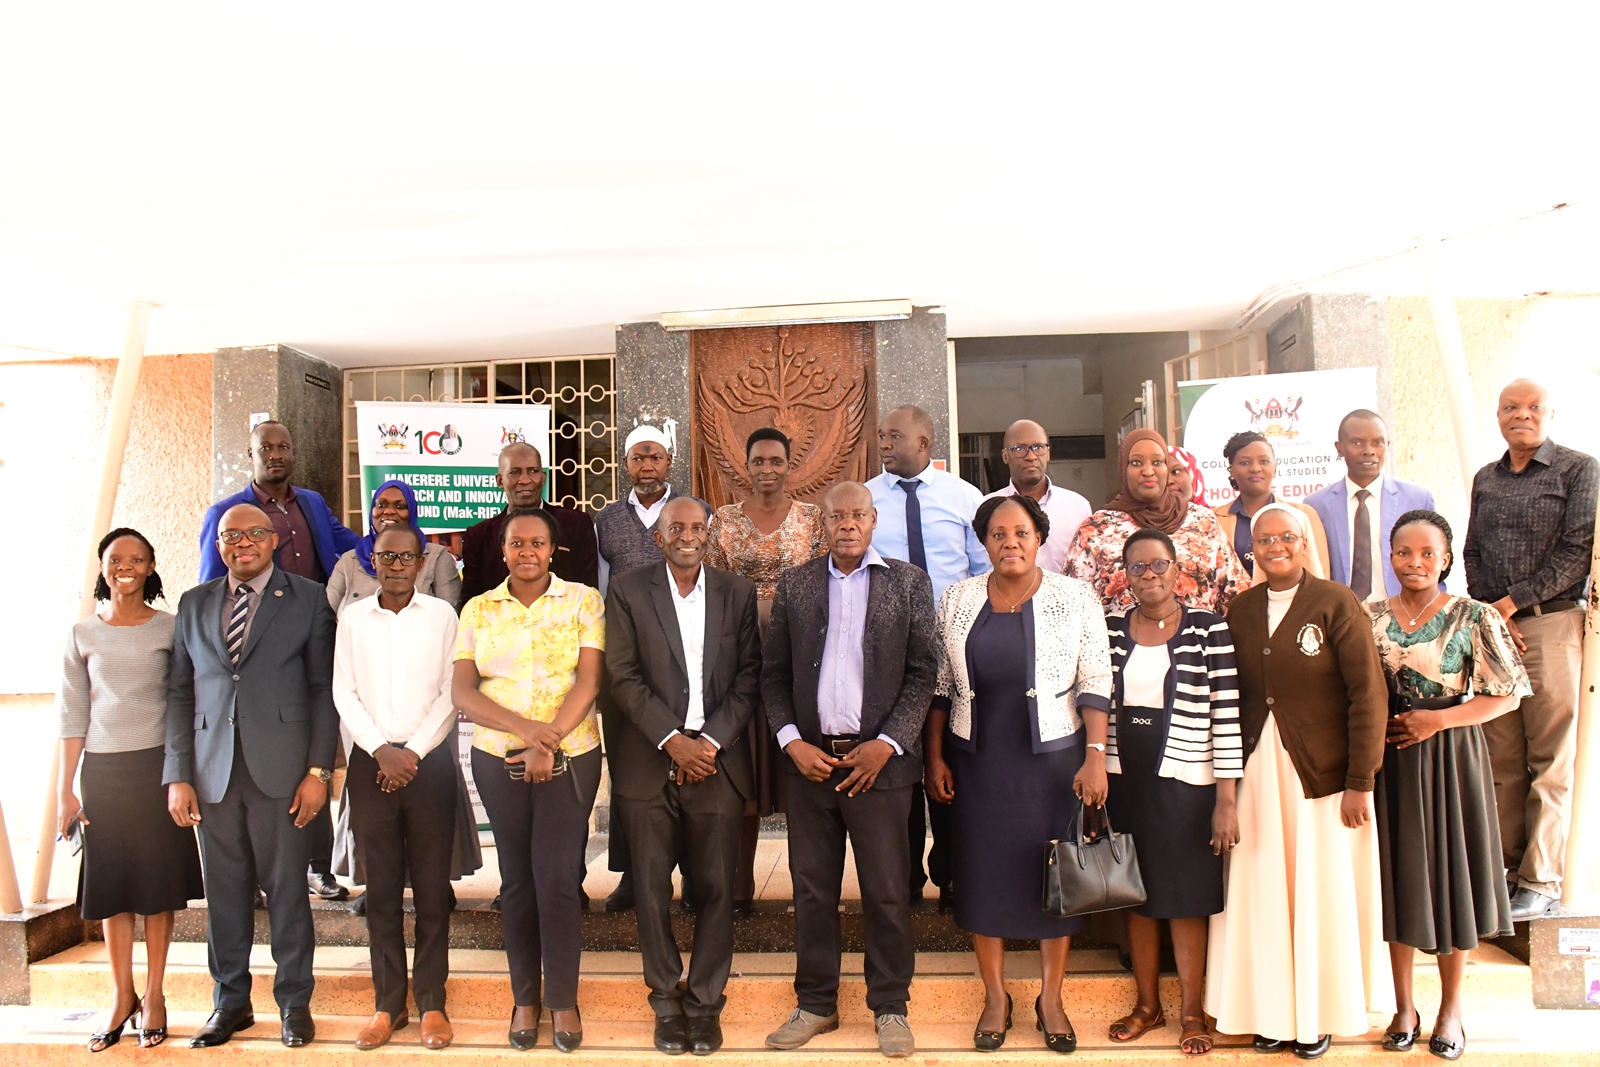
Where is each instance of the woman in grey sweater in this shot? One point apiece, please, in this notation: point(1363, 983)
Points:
point(113, 710)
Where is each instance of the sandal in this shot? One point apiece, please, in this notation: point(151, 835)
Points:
point(1131, 1026)
point(1196, 1038)
point(101, 1040)
point(151, 1036)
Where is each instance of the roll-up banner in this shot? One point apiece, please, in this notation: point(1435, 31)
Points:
point(1298, 412)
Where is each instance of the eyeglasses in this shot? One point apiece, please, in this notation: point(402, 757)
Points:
point(388, 558)
point(1155, 566)
point(1018, 451)
point(1286, 540)
point(256, 534)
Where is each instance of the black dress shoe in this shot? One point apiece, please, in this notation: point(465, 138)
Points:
point(992, 1040)
point(1268, 1044)
point(298, 1029)
point(621, 898)
point(1066, 1043)
point(567, 1040)
point(1447, 1050)
point(744, 907)
point(326, 886)
point(358, 906)
point(523, 1040)
point(1401, 1040)
point(672, 1035)
point(223, 1024)
point(1529, 904)
point(1314, 1049)
point(705, 1034)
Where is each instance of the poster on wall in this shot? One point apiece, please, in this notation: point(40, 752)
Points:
point(448, 453)
point(1298, 413)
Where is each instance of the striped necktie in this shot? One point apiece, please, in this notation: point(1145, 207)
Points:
point(241, 614)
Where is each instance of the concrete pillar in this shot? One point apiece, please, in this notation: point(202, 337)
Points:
point(652, 369)
point(1335, 331)
point(303, 393)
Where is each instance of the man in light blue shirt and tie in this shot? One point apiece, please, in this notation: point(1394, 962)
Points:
point(925, 517)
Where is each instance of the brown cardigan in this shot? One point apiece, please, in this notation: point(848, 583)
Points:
point(1321, 678)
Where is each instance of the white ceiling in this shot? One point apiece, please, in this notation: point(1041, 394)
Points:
point(387, 183)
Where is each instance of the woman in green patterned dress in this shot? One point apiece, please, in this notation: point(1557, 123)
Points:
point(1451, 665)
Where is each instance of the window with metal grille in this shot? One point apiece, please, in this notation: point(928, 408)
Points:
point(581, 391)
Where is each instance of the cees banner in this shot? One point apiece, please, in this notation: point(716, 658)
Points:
point(448, 453)
point(1298, 412)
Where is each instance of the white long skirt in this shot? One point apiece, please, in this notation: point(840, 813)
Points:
point(1298, 949)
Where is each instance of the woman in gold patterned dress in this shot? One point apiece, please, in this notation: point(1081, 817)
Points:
point(1451, 665)
point(759, 538)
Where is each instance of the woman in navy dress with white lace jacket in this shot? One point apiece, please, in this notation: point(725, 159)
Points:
point(1024, 656)
point(1174, 755)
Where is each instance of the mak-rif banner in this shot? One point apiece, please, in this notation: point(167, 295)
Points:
point(1298, 413)
point(448, 453)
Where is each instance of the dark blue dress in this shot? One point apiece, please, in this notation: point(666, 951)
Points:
point(1009, 799)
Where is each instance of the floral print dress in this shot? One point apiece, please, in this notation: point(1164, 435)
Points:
point(1209, 574)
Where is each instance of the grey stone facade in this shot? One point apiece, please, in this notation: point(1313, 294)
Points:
point(301, 392)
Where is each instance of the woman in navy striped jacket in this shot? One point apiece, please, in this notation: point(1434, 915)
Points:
point(1174, 757)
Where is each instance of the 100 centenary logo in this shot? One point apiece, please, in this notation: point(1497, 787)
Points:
point(397, 438)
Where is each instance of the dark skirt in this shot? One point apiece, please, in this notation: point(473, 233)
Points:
point(1170, 822)
point(135, 858)
point(1010, 801)
point(1444, 884)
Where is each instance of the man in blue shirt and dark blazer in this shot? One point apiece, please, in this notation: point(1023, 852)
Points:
point(925, 518)
point(310, 541)
point(1359, 510)
point(251, 735)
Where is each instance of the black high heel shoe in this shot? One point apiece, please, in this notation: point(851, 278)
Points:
point(992, 1040)
point(523, 1040)
point(101, 1040)
point(1063, 1043)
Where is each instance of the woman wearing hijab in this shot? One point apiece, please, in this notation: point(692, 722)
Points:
point(1297, 953)
point(1252, 465)
point(355, 576)
point(1209, 575)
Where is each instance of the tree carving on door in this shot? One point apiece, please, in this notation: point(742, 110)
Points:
point(813, 382)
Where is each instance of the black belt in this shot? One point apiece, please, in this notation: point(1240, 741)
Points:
point(1399, 704)
point(1549, 607)
point(839, 744)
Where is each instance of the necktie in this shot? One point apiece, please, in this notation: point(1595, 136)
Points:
point(919, 554)
point(1361, 548)
point(234, 638)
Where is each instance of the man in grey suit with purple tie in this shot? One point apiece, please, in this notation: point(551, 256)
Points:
point(1360, 509)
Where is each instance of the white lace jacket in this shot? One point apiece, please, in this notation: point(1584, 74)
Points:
point(1071, 656)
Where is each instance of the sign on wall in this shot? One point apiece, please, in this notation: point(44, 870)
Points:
point(1298, 413)
point(448, 453)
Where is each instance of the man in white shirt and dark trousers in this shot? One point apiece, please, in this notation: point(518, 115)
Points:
point(683, 656)
point(1026, 451)
point(391, 683)
point(847, 675)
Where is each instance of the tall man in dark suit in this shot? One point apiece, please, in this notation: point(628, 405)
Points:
point(847, 699)
point(251, 734)
point(684, 658)
point(521, 475)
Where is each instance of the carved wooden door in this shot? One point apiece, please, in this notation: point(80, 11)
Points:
point(817, 383)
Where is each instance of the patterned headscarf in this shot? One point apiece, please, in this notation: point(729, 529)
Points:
point(1167, 513)
point(1198, 496)
point(364, 546)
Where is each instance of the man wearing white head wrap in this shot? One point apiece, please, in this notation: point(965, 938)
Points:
point(625, 534)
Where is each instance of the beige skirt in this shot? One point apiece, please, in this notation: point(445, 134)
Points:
point(1298, 949)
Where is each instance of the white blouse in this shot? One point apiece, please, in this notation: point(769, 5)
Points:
point(1144, 677)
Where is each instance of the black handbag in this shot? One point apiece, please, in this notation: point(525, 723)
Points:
point(1082, 877)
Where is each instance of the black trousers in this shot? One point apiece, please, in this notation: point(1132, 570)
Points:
point(540, 833)
point(407, 832)
point(819, 820)
point(248, 839)
point(928, 814)
point(319, 841)
point(697, 825)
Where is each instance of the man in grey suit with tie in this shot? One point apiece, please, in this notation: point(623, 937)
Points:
point(251, 733)
point(684, 657)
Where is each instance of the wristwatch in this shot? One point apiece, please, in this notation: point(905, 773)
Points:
point(322, 774)
point(1099, 745)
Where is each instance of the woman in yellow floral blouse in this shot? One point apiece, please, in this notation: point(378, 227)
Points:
point(527, 672)
point(759, 538)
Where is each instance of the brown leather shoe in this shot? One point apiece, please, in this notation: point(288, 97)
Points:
point(378, 1031)
point(436, 1032)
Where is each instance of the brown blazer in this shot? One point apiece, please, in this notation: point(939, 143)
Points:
point(1321, 678)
